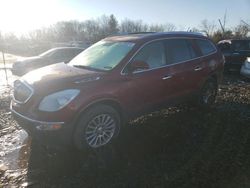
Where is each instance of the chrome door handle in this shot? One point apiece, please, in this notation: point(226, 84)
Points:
point(197, 69)
point(167, 77)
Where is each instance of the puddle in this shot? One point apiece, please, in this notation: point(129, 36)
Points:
point(15, 149)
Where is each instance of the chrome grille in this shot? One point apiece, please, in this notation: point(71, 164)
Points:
point(22, 91)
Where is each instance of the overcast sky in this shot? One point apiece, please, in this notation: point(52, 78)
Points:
point(24, 15)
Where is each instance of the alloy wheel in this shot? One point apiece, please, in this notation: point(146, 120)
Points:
point(100, 130)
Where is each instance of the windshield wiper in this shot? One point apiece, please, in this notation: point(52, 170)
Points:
point(107, 68)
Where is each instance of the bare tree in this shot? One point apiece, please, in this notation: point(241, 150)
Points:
point(207, 27)
point(113, 24)
point(103, 23)
point(92, 30)
point(66, 31)
point(100, 28)
point(194, 29)
point(130, 26)
point(241, 31)
point(156, 28)
point(108, 25)
point(169, 27)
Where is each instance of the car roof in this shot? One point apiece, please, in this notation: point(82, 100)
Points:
point(145, 36)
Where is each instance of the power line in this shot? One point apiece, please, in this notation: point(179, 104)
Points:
point(245, 23)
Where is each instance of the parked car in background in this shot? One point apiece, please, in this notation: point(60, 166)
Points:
point(87, 101)
point(235, 52)
point(52, 56)
point(245, 68)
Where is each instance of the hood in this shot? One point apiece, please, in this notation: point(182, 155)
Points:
point(60, 76)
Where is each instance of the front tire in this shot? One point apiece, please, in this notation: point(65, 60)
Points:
point(97, 128)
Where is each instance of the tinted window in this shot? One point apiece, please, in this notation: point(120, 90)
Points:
point(70, 53)
point(206, 47)
point(77, 51)
point(241, 45)
point(48, 53)
point(59, 54)
point(153, 54)
point(179, 50)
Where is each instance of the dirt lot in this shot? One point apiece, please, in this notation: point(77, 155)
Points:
point(176, 147)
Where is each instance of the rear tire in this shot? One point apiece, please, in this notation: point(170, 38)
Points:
point(208, 94)
point(97, 128)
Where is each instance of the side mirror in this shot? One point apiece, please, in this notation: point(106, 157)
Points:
point(136, 66)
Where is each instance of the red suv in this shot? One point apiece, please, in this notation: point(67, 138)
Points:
point(86, 101)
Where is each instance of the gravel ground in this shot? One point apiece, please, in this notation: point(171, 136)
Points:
point(177, 147)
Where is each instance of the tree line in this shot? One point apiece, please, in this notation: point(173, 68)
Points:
point(93, 30)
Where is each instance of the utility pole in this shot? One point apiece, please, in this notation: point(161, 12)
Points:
point(222, 28)
point(5, 69)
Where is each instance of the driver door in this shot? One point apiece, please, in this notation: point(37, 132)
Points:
point(149, 89)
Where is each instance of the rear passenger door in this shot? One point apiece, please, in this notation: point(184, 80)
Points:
point(207, 61)
point(182, 60)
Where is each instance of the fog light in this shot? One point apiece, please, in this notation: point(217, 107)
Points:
point(48, 127)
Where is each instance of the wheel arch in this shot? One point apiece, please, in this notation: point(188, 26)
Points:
point(108, 101)
point(214, 76)
point(77, 129)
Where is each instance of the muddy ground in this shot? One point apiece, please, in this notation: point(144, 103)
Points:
point(177, 147)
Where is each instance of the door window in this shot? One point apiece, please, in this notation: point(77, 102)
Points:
point(179, 50)
point(206, 46)
point(153, 54)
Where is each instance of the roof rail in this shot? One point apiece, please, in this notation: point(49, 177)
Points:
point(171, 32)
point(134, 33)
point(186, 32)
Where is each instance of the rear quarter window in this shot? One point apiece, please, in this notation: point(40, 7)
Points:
point(205, 46)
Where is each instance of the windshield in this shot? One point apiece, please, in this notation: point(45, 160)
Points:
point(48, 53)
point(104, 55)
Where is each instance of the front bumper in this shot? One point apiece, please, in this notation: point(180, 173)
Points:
point(60, 134)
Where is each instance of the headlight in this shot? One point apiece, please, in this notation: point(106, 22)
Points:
point(58, 100)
